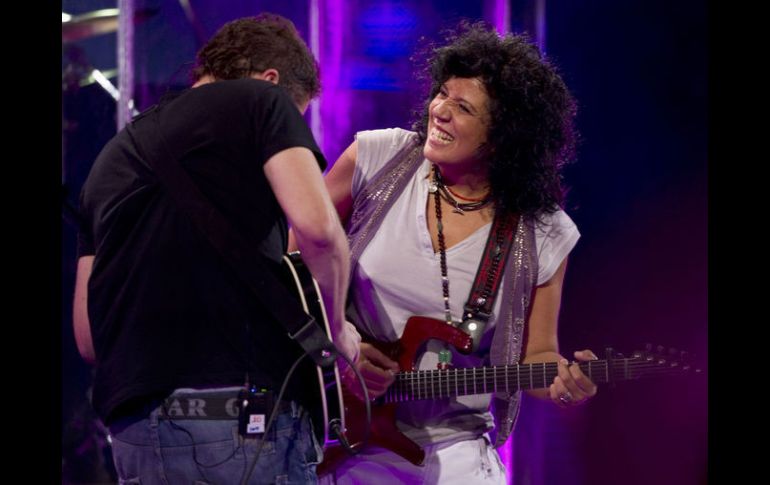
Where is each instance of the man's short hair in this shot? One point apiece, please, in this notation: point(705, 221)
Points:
point(251, 45)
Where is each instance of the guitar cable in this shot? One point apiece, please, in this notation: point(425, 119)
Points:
point(335, 426)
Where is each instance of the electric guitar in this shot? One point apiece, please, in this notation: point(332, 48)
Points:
point(343, 410)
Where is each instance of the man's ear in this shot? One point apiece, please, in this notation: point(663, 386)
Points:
point(271, 75)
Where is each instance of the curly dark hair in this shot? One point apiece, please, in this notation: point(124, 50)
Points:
point(251, 45)
point(531, 132)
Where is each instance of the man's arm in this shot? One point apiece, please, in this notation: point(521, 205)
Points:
point(80, 322)
point(339, 183)
point(375, 367)
point(298, 185)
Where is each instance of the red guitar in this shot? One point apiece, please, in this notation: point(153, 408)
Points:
point(415, 384)
point(341, 409)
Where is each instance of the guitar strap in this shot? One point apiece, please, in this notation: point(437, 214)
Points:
point(248, 263)
point(481, 299)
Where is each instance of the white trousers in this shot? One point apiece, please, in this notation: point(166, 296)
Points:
point(463, 463)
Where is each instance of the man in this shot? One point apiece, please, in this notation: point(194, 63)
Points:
point(170, 327)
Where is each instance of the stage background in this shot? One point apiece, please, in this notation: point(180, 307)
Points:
point(638, 194)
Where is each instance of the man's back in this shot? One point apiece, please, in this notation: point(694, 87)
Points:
point(167, 313)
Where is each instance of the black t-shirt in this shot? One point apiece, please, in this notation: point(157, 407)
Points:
point(165, 311)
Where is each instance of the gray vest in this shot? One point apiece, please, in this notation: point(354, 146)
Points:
point(369, 209)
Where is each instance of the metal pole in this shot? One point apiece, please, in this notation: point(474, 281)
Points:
point(125, 62)
point(501, 15)
point(314, 19)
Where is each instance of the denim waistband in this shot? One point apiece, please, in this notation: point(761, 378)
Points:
point(206, 404)
point(182, 404)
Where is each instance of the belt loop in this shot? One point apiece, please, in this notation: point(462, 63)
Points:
point(153, 417)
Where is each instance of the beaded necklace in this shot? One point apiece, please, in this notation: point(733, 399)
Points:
point(437, 187)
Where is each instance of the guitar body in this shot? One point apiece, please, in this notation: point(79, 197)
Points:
point(383, 431)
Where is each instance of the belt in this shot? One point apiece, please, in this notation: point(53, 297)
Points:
point(200, 405)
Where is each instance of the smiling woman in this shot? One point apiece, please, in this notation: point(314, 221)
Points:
point(457, 130)
point(477, 181)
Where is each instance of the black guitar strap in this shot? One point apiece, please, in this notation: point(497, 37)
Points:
point(481, 299)
point(243, 258)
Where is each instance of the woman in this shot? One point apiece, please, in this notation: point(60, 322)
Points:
point(419, 207)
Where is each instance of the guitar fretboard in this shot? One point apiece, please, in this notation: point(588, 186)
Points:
point(442, 383)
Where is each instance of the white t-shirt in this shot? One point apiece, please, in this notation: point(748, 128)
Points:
point(399, 275)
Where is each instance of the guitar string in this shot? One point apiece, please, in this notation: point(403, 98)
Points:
point(537, 368)
point(424, 383)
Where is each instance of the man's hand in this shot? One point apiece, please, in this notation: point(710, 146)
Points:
point(377, 370)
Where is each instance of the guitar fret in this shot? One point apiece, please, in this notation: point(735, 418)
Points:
point(465, 380)
point(484, 378)
point(518, 377)
point(589, 369)
point(457, 389)
point(506, 379)
point(531, 382)
point(446, 381)
point(474, 381)
point(439, 382)
point(409, 389)
point(545, 378)
point(395, 389)
point(625, 368)
point(494, 377)
point(443, 372)
point(447, 376)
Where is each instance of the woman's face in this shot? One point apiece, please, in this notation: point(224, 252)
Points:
point(458, 121)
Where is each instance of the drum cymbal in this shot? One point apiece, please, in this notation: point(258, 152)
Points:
point(90, 24)
point(98, 22)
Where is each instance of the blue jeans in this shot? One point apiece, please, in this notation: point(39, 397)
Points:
point(151, 450)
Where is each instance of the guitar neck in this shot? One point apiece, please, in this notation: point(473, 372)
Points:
point(443, 383)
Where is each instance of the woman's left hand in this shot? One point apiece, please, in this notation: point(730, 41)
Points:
point(571, 387)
